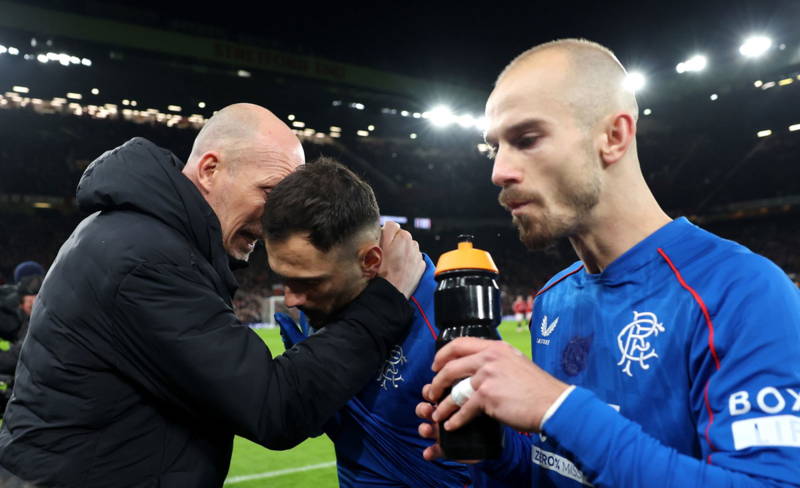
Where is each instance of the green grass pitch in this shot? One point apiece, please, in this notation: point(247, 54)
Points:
point(312, 462)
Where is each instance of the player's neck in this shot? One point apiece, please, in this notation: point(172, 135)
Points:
point(616, 226)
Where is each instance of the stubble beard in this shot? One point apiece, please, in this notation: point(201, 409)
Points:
point(545, 231)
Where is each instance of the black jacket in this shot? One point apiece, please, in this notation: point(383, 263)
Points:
point(136, 372)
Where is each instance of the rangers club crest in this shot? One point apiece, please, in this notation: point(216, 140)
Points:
point(390, 373)
point(633, 341)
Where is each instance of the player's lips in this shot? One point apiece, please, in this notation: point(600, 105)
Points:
point(516, 207)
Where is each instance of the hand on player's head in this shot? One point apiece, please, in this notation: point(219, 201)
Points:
point(402, 264)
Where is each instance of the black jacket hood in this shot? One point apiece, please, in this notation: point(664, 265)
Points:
point(145, 178)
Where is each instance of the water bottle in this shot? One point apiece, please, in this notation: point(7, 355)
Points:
point(467, 304)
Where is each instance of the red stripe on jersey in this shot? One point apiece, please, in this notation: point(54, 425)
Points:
point(557, 282)
point(425, 317)
point(711, 347)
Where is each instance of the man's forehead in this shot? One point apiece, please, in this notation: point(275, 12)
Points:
point(524, 92)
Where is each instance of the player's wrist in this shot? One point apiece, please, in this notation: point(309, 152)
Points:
point(564, 392)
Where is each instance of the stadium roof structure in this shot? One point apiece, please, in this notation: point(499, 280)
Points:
point(367, 83)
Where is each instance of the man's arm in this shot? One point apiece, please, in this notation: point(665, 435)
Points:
point(748, 436)
point(184, 345)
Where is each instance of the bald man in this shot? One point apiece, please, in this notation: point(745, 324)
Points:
point(666, 356)
point(135, 371)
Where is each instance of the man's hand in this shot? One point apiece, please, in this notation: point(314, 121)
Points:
point(402, 264)
point(508, 387)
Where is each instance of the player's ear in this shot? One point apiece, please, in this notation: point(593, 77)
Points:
point(207, 168)
point(370, 257)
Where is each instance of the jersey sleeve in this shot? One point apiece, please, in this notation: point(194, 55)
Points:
point(512, 467)
point(745, 397)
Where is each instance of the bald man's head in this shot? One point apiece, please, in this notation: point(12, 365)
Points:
point(592, 78)
point(241, 153)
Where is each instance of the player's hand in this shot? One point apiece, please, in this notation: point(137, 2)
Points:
point(402, 264)
point(430, 430)
point(508, 386)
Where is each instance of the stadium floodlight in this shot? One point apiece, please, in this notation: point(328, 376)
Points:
point(440, 116)
point(335, 128)
point(634, 82)
point(694, 64)
point(466, 121)
point(13, 51)
point(647, 111)
point(74, 96)
point(417, 115)
point(480, 123)
point(405, 113)
point(714, 97)
point(201, 104)
point(42, 58)
point(174, 108)
point(297, 123)
point(95, 91)
point(764, 133)
point(362, 133)
point(755, 46)
point(3, 49)
point(412, 136)
point(794, 127)
point(785, 81)
point(243, 73)
point(52, 56)
point(20, 89)
point(371, 127)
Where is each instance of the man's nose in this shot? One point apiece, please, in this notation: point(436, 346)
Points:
point(293, 299)
point(505, 171)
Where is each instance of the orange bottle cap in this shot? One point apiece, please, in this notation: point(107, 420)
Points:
point(465, 257)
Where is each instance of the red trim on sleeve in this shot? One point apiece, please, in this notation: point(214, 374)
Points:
point(711, 347)
point(425, 317)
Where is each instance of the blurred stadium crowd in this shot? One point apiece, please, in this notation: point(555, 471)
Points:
point(43, 155)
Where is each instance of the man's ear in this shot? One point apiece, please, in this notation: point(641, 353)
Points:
point(208, 167)
point(370, 257)
point(618, 135)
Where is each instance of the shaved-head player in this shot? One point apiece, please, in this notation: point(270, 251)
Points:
point(671, 354)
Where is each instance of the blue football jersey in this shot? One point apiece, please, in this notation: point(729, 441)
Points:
point(686, 356)
point(375, 434)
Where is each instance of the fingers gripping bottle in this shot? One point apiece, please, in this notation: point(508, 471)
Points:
point(467, 303)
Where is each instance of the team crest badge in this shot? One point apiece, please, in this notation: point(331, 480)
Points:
point(634, 343)
point(390, 373)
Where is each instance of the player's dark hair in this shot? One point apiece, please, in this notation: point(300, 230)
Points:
point(324, 199)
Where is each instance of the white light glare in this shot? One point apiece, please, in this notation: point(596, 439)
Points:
point(755, 46)
point(20, 89)
point(647, 111)
point(202, 104)
point(412, 136)
point(86, 62)
point(764, 133)
point(3, 49)
point(74, 96)
point(440, 116)
point(714, 97)
point(13, 51)
point(758, 83)
point(634, 82)
point(693, 64)
point(95, 91)
point(174, 108)
point(42, 58)
point(466, 121)
point(243, 73)
point(362, 133)
point(794, 127)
